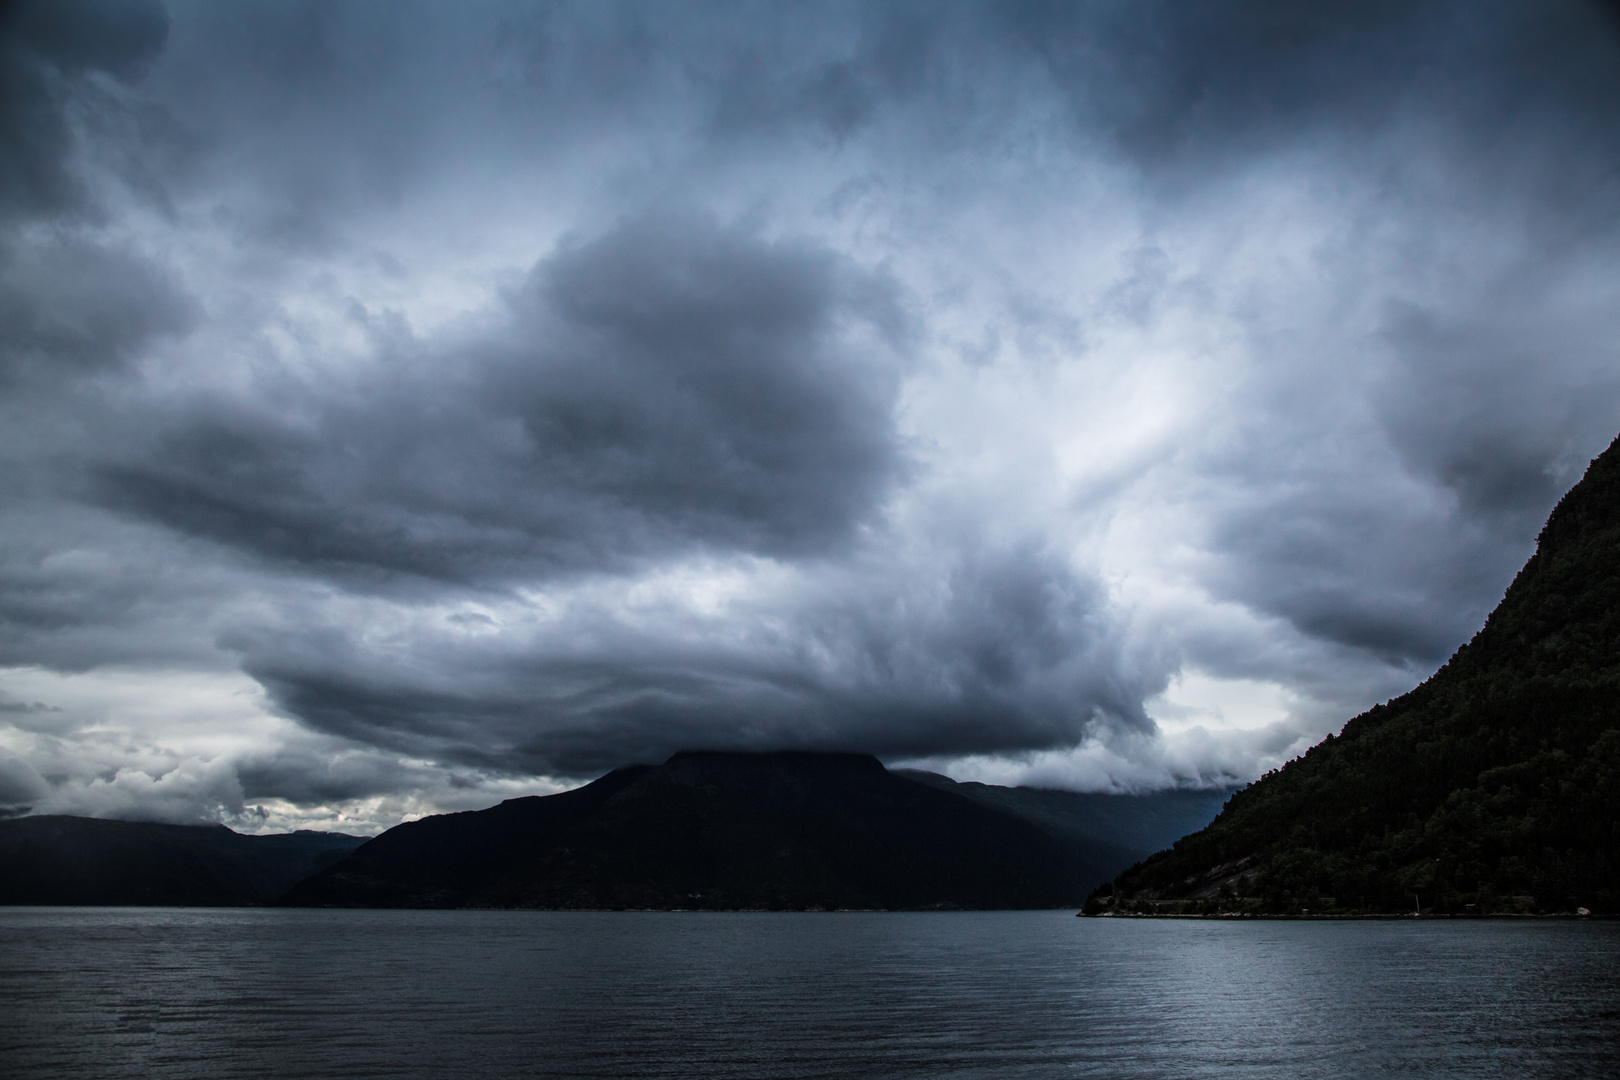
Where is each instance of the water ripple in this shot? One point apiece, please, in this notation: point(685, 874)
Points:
point(261, 993)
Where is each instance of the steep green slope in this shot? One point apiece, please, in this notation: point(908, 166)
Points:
point(1494, 786)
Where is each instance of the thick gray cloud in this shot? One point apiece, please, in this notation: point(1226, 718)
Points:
point(406, 405)
point(1191, 87)
point(1011, 652)
point(49, 54)
point(70, 305)
point(70, 309)
point(673, 383)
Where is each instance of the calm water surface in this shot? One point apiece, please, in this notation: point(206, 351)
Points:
point(261, 993)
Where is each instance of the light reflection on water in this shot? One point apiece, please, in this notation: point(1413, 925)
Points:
point(267, 993)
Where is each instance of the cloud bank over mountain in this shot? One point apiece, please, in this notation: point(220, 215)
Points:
point(408, 405)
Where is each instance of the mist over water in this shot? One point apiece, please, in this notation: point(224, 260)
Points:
point(266, 993)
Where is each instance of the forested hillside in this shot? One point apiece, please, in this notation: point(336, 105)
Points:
point(1492, 787)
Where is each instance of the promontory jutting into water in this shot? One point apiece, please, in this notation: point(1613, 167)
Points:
point(220, 994)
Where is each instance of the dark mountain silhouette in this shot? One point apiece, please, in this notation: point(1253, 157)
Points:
point(54, 859)
point(1494, 786)
point(1107, 833)
point(780, 831)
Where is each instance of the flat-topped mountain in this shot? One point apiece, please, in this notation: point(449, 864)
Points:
point(704, 830)
point(779, 831)
point(56, 859)
point(1494, 786)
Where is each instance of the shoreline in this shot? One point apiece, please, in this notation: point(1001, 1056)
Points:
point(1566, 916)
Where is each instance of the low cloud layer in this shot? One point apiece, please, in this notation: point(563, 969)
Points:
point(408, 406)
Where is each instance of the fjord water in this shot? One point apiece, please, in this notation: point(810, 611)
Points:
point(309, 993)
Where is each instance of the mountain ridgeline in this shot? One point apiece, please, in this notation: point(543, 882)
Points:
point(782, 831)
point(710, 831)
point(1104, 832)
point(1494, 787)
point(701, 831)
point(57, 859)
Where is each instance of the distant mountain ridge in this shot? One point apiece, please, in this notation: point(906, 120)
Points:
point(1105, 831)
point(840, 830)
point(57, 859)
point(1492, 787)
point(716, 831)
point(775, 831)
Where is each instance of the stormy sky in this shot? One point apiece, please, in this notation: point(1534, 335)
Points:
point(409, 405)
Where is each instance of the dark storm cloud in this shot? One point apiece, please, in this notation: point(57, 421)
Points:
point(1517, 101)
point(70, 305)
point(993, 651)
point(673, 383)
point(47, 49)
point(1201, 85)
point(71, 308)
point(1484, 430)
point(77, 306)
point(78, 592)
point(701, 376)
point(758, 471)
point(1310, 559)
point(880, 55)
point(19, 783)
point(313, 775)
point(1462, 410)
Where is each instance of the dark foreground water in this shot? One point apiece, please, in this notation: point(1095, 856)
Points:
point(126, 992)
